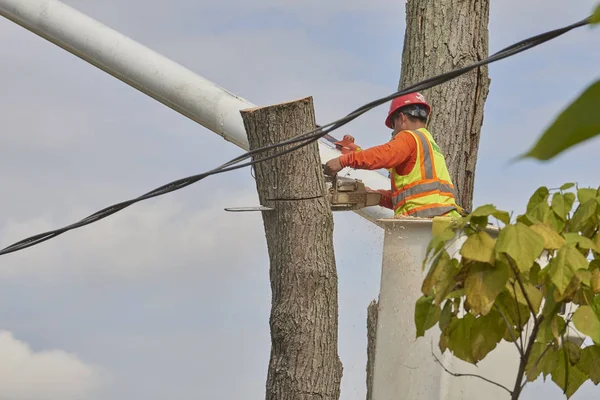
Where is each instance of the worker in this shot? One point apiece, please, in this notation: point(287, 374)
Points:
point(420, 182)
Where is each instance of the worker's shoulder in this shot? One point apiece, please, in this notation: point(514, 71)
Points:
point(405, 137)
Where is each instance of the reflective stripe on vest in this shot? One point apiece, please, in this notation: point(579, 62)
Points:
point(428, 195)
point(423, 188)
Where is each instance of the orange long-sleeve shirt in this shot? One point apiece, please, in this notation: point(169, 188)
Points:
point(399, 153)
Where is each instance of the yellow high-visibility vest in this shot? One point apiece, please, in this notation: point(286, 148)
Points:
point(427, 191)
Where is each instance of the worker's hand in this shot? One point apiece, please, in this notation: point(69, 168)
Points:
point(333, 166)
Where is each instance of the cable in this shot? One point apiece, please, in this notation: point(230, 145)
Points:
point(302, 140)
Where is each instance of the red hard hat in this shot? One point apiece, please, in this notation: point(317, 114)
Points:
point(399, 102)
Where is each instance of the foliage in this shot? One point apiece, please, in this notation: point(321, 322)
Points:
point(523, 275)
point(579, 122)
point(596, 16)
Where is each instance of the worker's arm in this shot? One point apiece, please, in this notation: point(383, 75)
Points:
point(386, 198)
point(389, 155)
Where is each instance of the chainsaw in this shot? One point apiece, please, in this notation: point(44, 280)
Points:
point(347, 194)
point(343, 194)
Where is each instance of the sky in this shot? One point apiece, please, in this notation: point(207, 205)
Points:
point(170, 298)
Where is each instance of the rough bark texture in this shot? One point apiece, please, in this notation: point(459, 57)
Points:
point(371, 336)
point(304, 361)
point(442, 35)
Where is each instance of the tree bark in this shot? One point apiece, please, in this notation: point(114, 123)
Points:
point(372, 314)
point(442, 35)
point(304, 362)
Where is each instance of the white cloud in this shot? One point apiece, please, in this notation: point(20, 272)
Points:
point(50, 374)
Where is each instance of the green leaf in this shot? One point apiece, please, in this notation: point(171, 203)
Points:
point(436, 270)
point(584, 276)
point(586, 194)
point(567, 186)
point(579, 122)
point(486, 333)
point(426, 314)
point(581, 241)
point(540, 213)
point(440, 281)
point(558, 205)
point(526, 220)
point(534, 294)
point(446, 316)
point(584, 212)
point(562, 204)
point(477, 224)
point(487, 210)
point(534, 274)
point(483, 284)
point(552, 240)
point(521, 243)
point(436, 244)
point(573, 352)
point(587, 322)
point(569, 381)
point(596, 240)
point(571, 290)
point(595, 19)
point(502, 216)
point(538, 361)
point(595, 281)
point(550, 329)
point(589, 363)
point(562, 267)
point(456, 295)
point(479, 247)
point(538, 197)
point(483, 211)
point(569, 200)
point(516, 313)
point(439, 225)
point(459, 338)
point(583, 297)
point(553, 220)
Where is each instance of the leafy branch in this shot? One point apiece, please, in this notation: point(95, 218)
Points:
point(469, 375)
point(510, 284)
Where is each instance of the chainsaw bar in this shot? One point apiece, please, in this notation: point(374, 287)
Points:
point(246, 209)
point(344, 194)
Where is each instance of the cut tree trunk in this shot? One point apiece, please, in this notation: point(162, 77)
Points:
point(304, 362)
point(442, 35)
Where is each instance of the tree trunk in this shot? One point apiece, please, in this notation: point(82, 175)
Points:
point(304, 363)
point(372, 314)
point(442, 35)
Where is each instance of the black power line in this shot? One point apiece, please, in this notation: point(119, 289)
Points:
point(300, 140)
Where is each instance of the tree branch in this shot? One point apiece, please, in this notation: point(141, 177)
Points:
point(536, 326)
point(518, 278)
point(469, 375)
point(510, 331)
point(518, 315)
point(548, 347)
point(562, 336)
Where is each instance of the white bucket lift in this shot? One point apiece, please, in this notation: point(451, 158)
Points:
point(404, 368)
